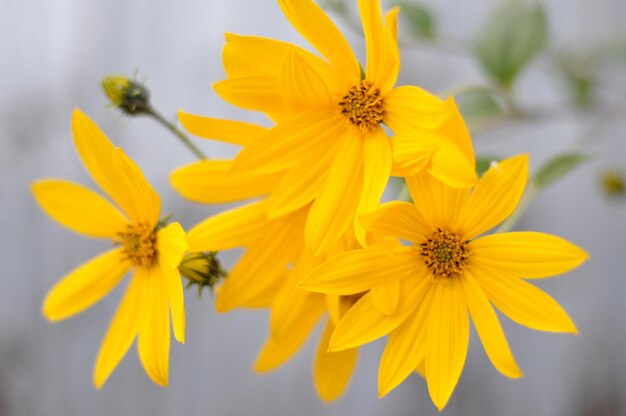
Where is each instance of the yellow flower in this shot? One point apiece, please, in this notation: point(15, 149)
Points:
point(152, 252)
point(329, 135)
point(446, 272)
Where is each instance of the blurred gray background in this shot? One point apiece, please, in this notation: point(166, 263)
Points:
point(53, 55)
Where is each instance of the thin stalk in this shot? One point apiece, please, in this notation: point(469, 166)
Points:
point(177, 132)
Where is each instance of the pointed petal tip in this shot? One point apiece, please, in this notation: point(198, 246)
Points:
point(260, 367)
point(222, 306)
point(383, 389)
point(77, 113)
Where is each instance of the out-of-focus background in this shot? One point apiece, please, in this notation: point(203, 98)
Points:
point(52, 58)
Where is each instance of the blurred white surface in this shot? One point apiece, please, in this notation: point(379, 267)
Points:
point(52, 58)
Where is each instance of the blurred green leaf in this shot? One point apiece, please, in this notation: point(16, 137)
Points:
point(484, 162)
point(578, 71)
point(557, 167)
point(479, 104)
point(515, 33)
point(419, 18)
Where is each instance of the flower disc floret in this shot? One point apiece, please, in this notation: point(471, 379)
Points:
point(363, 107)
point(445, 253)
point(139, 244)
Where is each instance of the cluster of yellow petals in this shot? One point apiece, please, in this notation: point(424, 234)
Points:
point(318, 244)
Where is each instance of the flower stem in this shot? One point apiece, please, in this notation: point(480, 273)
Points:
point(177, 132)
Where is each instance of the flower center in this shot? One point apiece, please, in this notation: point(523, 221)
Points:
point(139, 244)
point(445, 253)
point(363, 106)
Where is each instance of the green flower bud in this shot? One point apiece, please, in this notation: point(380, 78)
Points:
point(130, 96)
point(202, 269)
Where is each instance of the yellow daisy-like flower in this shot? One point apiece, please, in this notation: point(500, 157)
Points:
point(329, 136)
point(446, 272)
point(152, 252)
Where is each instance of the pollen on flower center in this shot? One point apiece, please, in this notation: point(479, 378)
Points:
point(139, 244)
point(363, 106)
point(445, 253)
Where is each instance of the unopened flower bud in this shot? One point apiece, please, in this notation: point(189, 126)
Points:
point(202, 269)
point(613, 183)
point(128, 95)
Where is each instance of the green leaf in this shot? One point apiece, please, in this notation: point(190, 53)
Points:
point(557, 167)
point(579, 74)
point(419, 18)
point(478, 105)
point(512, 37)
point(484, 162)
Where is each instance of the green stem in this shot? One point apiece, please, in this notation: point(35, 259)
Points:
point(179, 133)
point(524, 203)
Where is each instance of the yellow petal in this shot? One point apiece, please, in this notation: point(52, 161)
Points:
point(522, 302)
point(410, 155)
point(302, 86)
point(376, 171)
point(176, 300)
point(495, 196)
point(257, 93)
point(85, 285)
point(421, 369)
point(455, 130)
point(436, 152)
point(172, 245)
point(385, 297)
point(78, 208)
point(121, 332)
point(397, 219)
point(409, 109)
point(405, 348)
point(154, 326)
point(449, 165)
point(332, 370)
point(436, 202)
point(117, 175)
point(302, 183)
point(315, 26)
point(293, 310)
point(276, 352)
point(356, 271)
point(228, 131)
point(338, 305)
point(488, 327)
point(264, 264)
point(383, 60)
point(526, 254)
point(363, 322)
point(448, 338)
point(290, 300)
point(208, 181)
point(289, 143)
point(241, 226)
point(146, 201)
point(334, 209)
point(245, 56)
